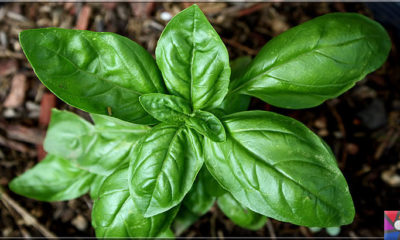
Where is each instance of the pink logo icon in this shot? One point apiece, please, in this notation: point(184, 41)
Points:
point(391, 223)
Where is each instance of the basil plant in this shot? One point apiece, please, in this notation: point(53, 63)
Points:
point(172, 136)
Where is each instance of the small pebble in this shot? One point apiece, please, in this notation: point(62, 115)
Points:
point(80, 223)
point(9, 113)
point(373, 115)
point(338, 134)
point(33, 108)
point(323, 132)
point(320, 122)
point(3, 39)
point(17, 46)
point(165, 16)
point(390, 177)
point(352, 148)
point(7, 232)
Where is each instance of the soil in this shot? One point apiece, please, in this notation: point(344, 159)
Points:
point(362, 126)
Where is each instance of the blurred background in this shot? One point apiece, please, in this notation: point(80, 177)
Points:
point(362, 126)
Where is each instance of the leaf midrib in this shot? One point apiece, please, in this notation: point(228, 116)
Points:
point(178, 130)
point(274, 66)
point(119, 208)
point(92, 74)
point(257, 158)
point(192, 56)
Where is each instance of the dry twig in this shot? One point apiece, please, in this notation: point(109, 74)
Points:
point(271, 229)
point(27, 217)
point(235, 44)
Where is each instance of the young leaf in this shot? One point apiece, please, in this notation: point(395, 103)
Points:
point(172, 109)
point(98, 149)
point(166, 108)
point(100, 73)
point(115, 214)
point(53, 179)
point(315, 61)
point(208, 125)
point(193, 59)
point(276, 166)
point(239, 214)
point(166, 163)
point(198, 200)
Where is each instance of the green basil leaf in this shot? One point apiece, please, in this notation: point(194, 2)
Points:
point(208, 125)
point(239, 214)
point(115, 214)
point(333, 231)
point(168, 234)
point(95, 186)
point(98, 149)
point(112, 128)
point(104, 122)
point(166, 162)
point(235, 102)
point(238, 67)
point(276, 166)
point(53, 179)
point(315, 229)
point(65, 129)
point(198, 200)
point(193, 59)
point(100, 73)
point(166, 108)
point(216, 190)
point(315, 61)
point(183, 220)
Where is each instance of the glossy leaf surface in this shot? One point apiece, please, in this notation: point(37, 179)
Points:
point(193, 60)
point(166, 163)
point(315, 61)
point(168, 234)
point(102, 73)
point(95, 186)
point(53, 179)
point(239, 214)
point(216, 190)
point(208, 125)
point(166, 108)
point(276, 166)
point(97, 148)
point(198, 200)
point(115, 214)
point(235, 102)
point(239, 67)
